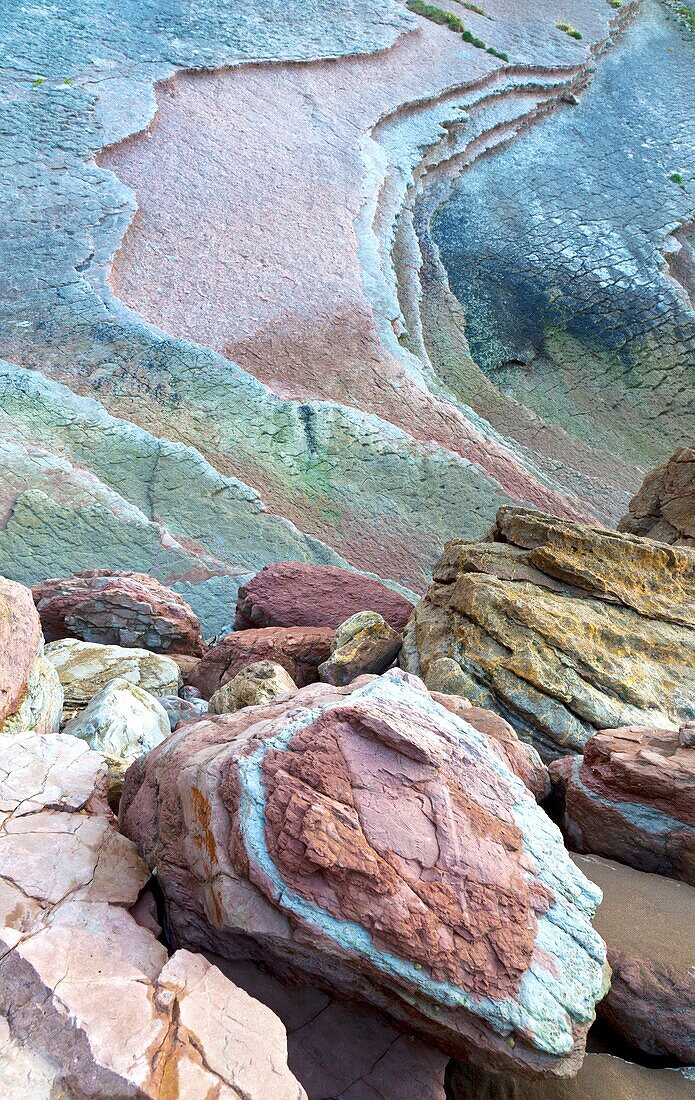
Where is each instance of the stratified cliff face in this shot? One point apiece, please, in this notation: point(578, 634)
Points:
point(274, 365)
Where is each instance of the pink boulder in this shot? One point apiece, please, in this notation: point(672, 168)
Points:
point(20, 645)
point(632, 798)
point(299, 649)
point(118, 608)
point(291, 593)
point(379, 843)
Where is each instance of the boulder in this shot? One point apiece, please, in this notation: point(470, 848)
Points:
point(90, 1007)
point(664, 507)
point(293, 593)
point(632, 798)
point(254, 685)
point(84, 668)
point(602, 1077)
point(648, 923)
point(364, 644)
point(30, 695)
point(377, 842)
point(563, 629)
point(343, 1049)
point(182, 710)
point(118, 608)
point(121, 722)
point(299, 649)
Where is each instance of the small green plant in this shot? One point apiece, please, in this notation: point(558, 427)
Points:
point(38, 82)
point(676, 177)
point(498, 53)
point(477, 42)
point(687, 14)
point(568, 29)
point(616, 3)
point(436, 15)
point(473, 7)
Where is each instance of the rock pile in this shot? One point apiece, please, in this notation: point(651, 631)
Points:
point(562, 628)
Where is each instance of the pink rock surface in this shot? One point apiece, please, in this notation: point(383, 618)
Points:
point(291, 593)
point(632, 798)
point(20, 644)
point(299, 649)
point(372, 839)
point(89, 1003)
point(118, 608)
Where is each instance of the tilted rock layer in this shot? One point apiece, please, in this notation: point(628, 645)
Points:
point(562, 628)
point(373, 839)
point(89, 1005)
point(632, 798)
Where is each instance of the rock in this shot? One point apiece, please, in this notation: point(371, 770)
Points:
point(364, 644)
point(30, 697)
point(90, 1006)
point(520, 757)
point(648, 923)
point(632, 798)
point(292, 593)
point(182, 710)
point(121, 722)
point(601, 1075)
point(299, 649)
point(118, 608)
point(563, 629)
point(664, 507)
point(377, 842)
point(254, 685)
point(85, 668)
point(343, 1049)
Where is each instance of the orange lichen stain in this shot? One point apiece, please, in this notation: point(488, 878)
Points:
point(201, 809)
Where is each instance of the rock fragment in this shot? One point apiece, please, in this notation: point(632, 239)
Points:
point(299, 649)
point(364, 644)
point(664, 507)
point(252, 687)
point(85, 668)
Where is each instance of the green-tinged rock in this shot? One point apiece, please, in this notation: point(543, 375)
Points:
point(256, 684)
point(364, 643)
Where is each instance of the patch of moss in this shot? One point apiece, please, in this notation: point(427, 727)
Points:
point(616, 3)
point(568, 29)
point(676, 177)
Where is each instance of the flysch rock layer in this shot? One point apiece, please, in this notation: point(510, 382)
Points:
point(373, 840)
point(664, 507)
point(199, 468)
point(90, 1007)
point(562, 628)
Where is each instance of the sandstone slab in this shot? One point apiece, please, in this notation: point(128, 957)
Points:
point(118, 608)
point(90, 1007)
point(292, 593)
point(664, 507)
point(564, 629)
point(84, 668)
point(299, 649)
point(648, 923)
point(377, 842)
point(632, 798)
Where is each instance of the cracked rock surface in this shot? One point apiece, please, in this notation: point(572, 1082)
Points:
point(377, 842)
point(90, 1007)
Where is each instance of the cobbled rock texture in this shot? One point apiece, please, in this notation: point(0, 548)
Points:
point(379, 843)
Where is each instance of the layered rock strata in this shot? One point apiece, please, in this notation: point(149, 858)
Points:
point(377, 842)
point(562, 628)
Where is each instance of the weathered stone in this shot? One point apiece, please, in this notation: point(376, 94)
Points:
point(292, 593)
point(299, 649)
point(632, 798)
point(601, 1076)
point(648, 923)
point(118, 608)
point(364, 644)
point(564, 629)
point(664, 507)
point(85, 668)
point(254, 685)
point(374, 840)
point(343, 1049)
point(30, 698)
point(90, 1007)
point(182, 710)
